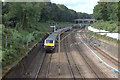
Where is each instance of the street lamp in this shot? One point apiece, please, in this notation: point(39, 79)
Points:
point(54, 28)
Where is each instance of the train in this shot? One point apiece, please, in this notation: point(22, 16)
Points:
point(50, 41)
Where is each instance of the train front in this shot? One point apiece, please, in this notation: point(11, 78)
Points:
point(49, 45)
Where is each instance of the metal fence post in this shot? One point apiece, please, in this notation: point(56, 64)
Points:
point(59, 55)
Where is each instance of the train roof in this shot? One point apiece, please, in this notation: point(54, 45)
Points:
point(53, 36)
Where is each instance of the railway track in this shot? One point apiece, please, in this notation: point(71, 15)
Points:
point(69, 64)
point(43, 71)
point(77, 48)
point(72, 62)
point(47, 72)
point(105, 55)
point(45, 64)
point(88, 61)
point(39, 69)
point(70, 54)
point(72, 65)
point(101, 52)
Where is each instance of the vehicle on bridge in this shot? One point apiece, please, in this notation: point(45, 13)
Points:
point(50, 41)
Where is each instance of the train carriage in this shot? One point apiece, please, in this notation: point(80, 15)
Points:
point(49, 43)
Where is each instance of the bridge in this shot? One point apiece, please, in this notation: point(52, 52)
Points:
point(80, 23)
point(84, 21)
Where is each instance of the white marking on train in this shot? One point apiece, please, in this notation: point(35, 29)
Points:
point(96, 54)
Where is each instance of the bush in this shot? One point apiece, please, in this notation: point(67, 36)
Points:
point(108, 25)
point(18, 41)
point(8, 56)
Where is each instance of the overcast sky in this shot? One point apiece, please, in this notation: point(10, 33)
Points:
point(86, 6)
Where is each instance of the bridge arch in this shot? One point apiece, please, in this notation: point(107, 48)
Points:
point(83, 21)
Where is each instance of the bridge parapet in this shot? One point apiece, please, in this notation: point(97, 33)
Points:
point(84, 21)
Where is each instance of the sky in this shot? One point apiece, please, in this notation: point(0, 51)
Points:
point(86, 6)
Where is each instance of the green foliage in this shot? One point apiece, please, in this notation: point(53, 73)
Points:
point(108, 25)
point(107, 11)
point(19, 40)
point(25, 15)
point(118, 14)
point(66, 14)
point(8, 56)
point(84, 15)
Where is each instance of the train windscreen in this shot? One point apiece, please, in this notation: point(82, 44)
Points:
point(49, 41)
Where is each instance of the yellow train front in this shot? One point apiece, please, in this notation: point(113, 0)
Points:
point(49, 43)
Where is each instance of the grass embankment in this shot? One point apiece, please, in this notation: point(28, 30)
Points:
point(108, 26)
point(103, 38)
point(19, 42)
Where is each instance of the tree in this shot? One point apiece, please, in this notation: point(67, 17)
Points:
point(83, 15)
point(118, 14)
point(24, 15)
point(106, 11)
